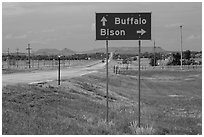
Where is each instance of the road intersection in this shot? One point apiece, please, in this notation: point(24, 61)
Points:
point(40, 76)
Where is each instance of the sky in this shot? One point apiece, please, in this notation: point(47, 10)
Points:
point(71, 25)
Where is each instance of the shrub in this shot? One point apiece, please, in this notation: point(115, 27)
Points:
point(104, 125)
point(104, 128)
point(147, 130)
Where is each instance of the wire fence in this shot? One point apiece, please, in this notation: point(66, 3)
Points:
point(120, 68)
point(43, 64)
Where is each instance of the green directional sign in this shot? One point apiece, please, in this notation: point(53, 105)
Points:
point(123, 26)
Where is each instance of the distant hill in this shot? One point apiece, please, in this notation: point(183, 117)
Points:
point(64, 52)
point(67, 52)
point(120, 50)
point(126, 50)
point(20, 54)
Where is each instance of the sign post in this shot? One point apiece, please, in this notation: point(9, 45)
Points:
point(107, 80)
point(154, 55)
point(139, 84)
point(123, 26)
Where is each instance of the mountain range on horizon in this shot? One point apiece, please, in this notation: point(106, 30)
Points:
point(64, 52)
point(120, 50)
point(126, 50)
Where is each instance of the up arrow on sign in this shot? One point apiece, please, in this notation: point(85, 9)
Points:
point(103, 20)
point(141, 31)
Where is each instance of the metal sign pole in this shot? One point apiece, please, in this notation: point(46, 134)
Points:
point(139, 87)
point(154, 55)
point(107, 80)
point(59, 72)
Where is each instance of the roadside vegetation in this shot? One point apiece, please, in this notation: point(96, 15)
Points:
point(171, 103)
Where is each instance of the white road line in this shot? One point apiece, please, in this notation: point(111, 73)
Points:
point(37, 82)
point(87, 73)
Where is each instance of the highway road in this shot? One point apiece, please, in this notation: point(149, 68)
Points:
point(41, 76)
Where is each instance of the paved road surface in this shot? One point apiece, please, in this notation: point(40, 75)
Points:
point(35, 77)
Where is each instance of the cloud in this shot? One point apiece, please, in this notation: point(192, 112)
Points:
point(8, 36)
point(48, 30)
point(173, 25)
point(12, 8)
point(20, 36)
point(11, 36)
point(192, 37)
point(29, 32)
point(37, 42)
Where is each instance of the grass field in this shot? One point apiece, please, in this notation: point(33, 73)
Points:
point(171, 103)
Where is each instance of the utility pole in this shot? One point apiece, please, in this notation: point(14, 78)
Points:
point(17, 56)
point(59, 70)
point(154, 53)
point(181, 48)
point(8, 58)
point(28, 54)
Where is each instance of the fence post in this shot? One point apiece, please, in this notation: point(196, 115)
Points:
point(52, 62)
point(38, 63)
point(8, 65)
point(33, 63)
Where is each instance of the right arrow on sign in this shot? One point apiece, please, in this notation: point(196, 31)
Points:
point(141, 31)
